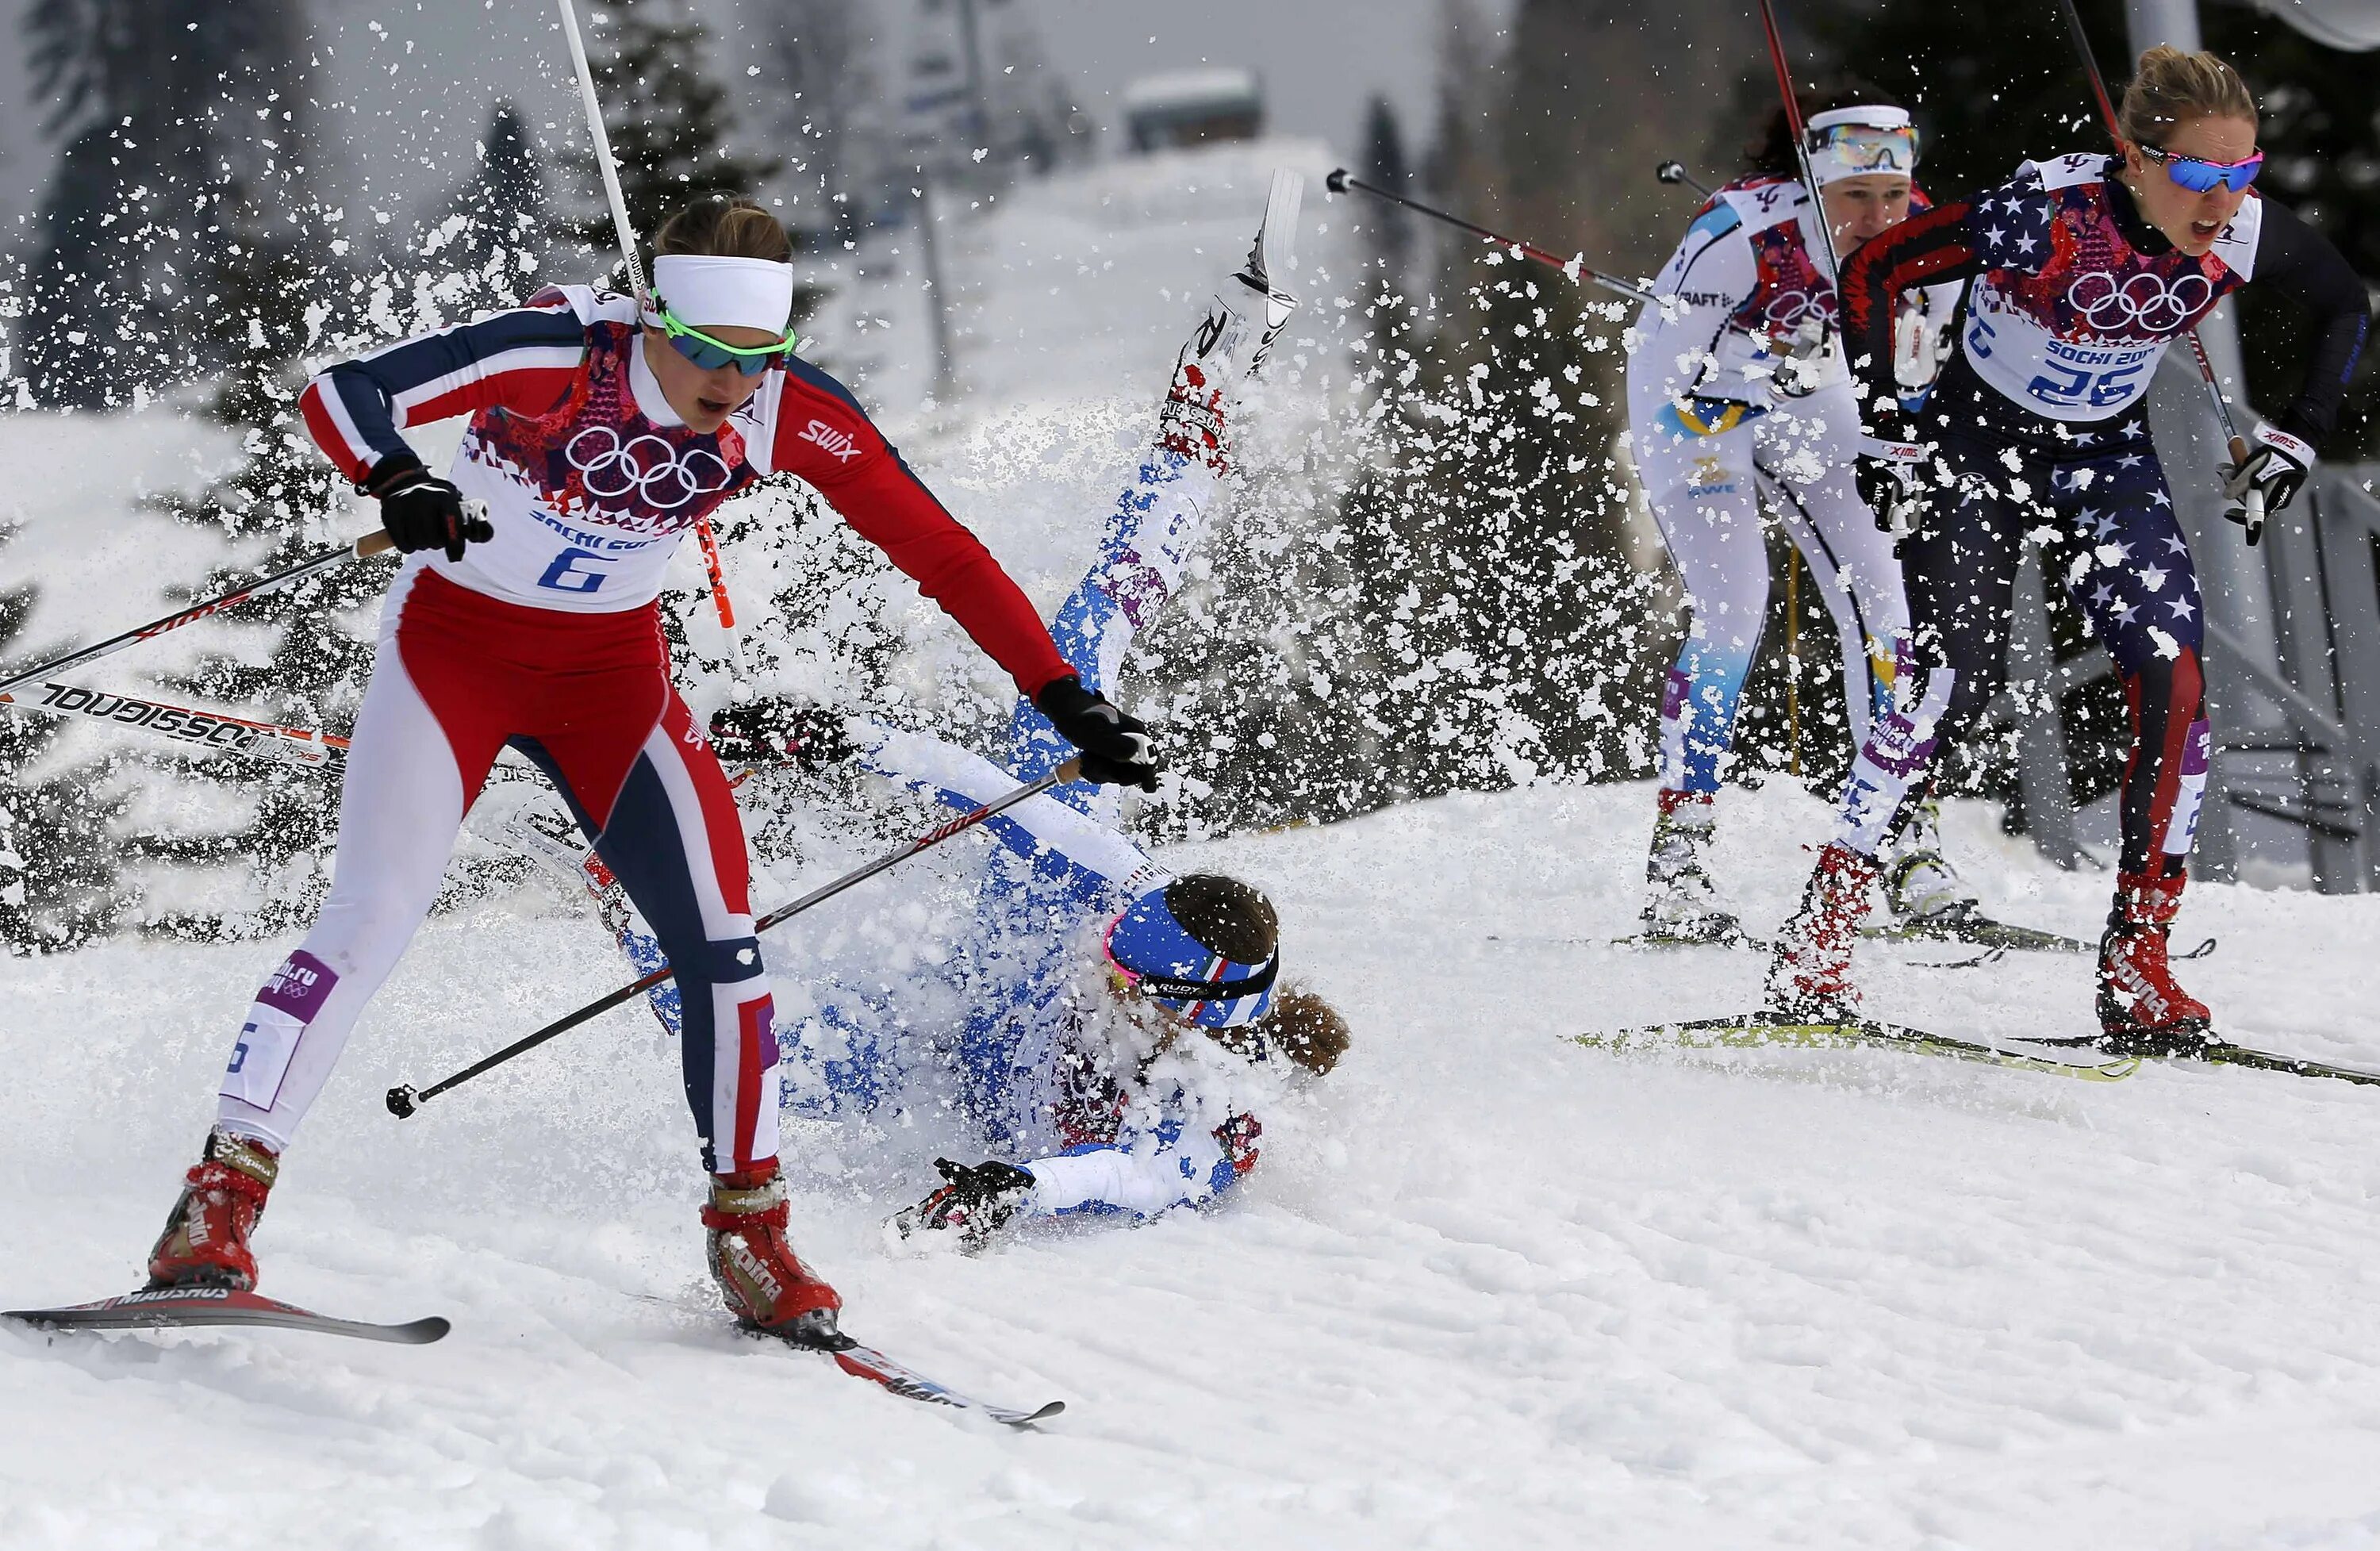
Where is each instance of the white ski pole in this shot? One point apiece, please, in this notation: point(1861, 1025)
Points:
point(604, 162)
point(637, 286)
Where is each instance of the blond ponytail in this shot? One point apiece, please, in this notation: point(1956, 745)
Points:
point(2171, 88)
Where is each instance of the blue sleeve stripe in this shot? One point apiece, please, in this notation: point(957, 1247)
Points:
point(802, 372)
point(414, 362)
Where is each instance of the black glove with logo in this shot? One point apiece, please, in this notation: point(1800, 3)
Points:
point(1889, 470)
point(778, 731)
point(421, 511)
point(2274, 471)
point(1116, 750)
point(973, 1203)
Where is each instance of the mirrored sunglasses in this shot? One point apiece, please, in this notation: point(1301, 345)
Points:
point(1865, 148)
point(712, 354)
point(2198, 175)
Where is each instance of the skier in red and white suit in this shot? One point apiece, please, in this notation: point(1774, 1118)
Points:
point(597, 438)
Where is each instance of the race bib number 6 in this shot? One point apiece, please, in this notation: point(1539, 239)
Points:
point(574, 571)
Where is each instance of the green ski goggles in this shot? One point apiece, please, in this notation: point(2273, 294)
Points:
point(712, 354)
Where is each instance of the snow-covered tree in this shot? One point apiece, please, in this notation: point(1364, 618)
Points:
point(1390, 229)
point(60, 881)
point(182, 123)
point(671, 125)
point(493, 230)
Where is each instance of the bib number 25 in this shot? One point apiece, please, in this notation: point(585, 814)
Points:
point(2070, 386)
point(575, 570)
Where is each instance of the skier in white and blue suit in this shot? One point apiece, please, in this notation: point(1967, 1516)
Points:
point(1119, 1023)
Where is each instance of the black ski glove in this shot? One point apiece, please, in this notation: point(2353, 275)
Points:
point(973, 1203)
point(1116, 750)
point(421, 511)
point(778, 731)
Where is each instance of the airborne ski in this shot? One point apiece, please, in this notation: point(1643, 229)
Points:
point(1751, 1030)
point(865, 1362)
point(180, 1307)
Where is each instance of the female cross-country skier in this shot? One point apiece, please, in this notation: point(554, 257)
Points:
point(2081, 270)
point(598, 436)
point(1125, 1026)
point(1736, 390)
point(1121, 1028)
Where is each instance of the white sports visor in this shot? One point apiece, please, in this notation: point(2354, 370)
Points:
point(707, 292)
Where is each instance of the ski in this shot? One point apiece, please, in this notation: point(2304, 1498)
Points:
point(865, 1362)
point(1734, 937)
point(1748, 1030)
point(177, 1307)
point(1969, 926)
point(2222, 1052)
point(1972, 927)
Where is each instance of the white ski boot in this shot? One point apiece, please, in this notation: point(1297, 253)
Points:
point(1920, 885)
point(1681, 903)
point(1243, 318)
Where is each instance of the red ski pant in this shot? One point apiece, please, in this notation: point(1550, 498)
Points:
point(458, 676)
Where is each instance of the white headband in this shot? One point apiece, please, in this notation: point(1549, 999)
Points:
point(1890, 146)
point(713, 293)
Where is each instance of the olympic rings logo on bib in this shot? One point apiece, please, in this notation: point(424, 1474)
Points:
point(1787, 309)
point(646, 472)
point(2143, 307)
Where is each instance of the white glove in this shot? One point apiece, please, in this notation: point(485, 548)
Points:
point(2276, 465)
point(1889, 474)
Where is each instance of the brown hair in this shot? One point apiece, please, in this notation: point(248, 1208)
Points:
point(1306, 1029)
point(725, 226)
point(2173, 87)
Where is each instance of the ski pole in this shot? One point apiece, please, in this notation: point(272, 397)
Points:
point(1674, 173)
point(604, 162)
point(1340, 181)
point(2236, 444)
point(369, 544)
point(404, 1099)
point(1801, 139)
point(200, 730)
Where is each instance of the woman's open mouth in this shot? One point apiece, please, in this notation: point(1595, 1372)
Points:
point(2206, 231)
point(714, 405)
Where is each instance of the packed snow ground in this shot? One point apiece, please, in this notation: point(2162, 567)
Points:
point(1487, 1288)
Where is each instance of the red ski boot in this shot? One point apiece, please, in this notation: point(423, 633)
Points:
point(764, 1284)
point(205, 1242)
point(1810, 974)
point(2142, 1012)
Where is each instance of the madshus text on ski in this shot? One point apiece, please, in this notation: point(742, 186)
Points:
point(1910, 384)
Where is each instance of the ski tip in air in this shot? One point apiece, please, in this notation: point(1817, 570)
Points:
point(1277, 239)
point(181, 1308)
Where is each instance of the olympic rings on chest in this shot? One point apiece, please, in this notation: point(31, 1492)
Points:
point(1787, 309)
point(2143, 306)
point(647, 470)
